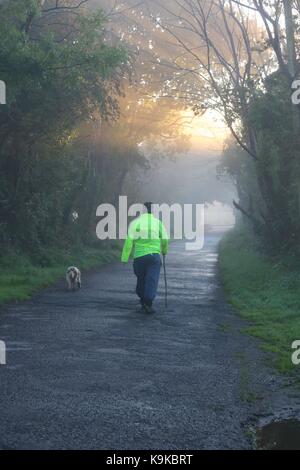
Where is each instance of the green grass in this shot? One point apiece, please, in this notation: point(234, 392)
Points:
point(21, 276)
point(264, 291)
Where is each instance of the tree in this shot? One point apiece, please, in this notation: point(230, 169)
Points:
point(225, 48)
point(54, 84)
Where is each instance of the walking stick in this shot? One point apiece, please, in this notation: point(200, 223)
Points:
point(166, 284)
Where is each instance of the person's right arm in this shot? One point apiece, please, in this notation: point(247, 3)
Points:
point(164, 239)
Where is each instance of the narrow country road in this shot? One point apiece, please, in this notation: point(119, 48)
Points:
point(88, 370)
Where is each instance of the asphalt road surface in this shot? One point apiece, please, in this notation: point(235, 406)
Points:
point(88, 370)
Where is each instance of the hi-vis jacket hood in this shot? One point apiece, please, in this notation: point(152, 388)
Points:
point(147, 235)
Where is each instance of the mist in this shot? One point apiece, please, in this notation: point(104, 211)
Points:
point(173, 175)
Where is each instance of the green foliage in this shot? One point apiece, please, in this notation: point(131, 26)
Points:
point(277, 168)
point(21, 275)
point(268, 186)
point(265, 291)
point(55, 82)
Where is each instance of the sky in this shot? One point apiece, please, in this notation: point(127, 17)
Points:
point(208, 132)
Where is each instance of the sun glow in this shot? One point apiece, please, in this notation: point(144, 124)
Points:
point(207, 131)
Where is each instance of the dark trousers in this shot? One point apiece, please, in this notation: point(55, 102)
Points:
point(147, 270)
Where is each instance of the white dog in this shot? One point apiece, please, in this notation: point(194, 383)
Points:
point(73, 278)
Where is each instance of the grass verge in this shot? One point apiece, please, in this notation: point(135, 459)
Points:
point(21, 276)
point(264, 291)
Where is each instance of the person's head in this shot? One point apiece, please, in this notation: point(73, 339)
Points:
point(148, 206)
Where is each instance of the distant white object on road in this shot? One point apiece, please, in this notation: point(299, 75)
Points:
point(73, 277)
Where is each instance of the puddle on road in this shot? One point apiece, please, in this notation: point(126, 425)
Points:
point(279, 435)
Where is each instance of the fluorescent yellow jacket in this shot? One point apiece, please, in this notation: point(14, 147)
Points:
point(147, 235)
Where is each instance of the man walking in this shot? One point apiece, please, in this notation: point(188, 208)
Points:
point(149, 238)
